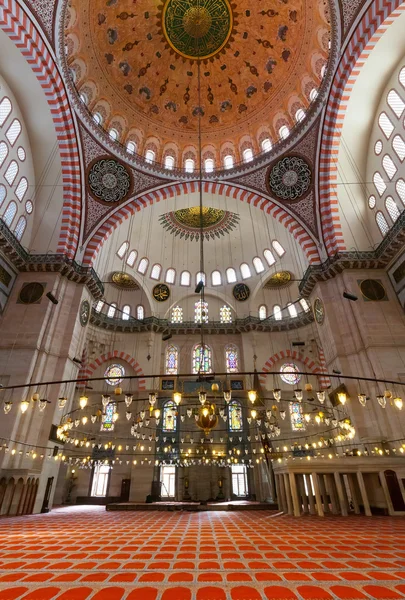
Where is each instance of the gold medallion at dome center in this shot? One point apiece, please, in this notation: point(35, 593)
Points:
point(197, 29)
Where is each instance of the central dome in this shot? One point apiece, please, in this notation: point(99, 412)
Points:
point(197, 29)
point(136, 67)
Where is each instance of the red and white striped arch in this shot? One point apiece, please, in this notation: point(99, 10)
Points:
point(302, 236)
point(309, 363)
point(15, 22)
point(91, 367)
point(371, 26)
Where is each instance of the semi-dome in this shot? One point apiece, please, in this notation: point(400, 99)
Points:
point(137, 68)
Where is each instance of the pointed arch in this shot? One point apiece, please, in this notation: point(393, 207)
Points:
point(311, 365)
point(91, 367)
point(300, 234)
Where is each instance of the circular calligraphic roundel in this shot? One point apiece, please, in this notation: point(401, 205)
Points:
point(290, 178)
point(319, 311)
point(197, 31)
point(84, 313)
point(241, 292)
point(161, 292)
point(109, 180)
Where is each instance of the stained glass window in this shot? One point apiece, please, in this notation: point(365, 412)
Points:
point(177, 315)
point(169, 417)
point(225, 314)
point(201, 312)
point(235, 416)
point(289, 373)
point(107, 419)
point(232, 358)
point(202, 360)
point(114, 374)
point(172, 360)
point(297, 418)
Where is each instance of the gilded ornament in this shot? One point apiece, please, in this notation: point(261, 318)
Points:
point(124, 281)
point(279, 279)
point(290, 178)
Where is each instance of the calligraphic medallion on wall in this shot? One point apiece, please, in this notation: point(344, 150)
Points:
point(197, 30)
point(161, 292)
point(319, 311)
point(290, 178)
point(109, 180)
point(241, 292)
point(84, 313)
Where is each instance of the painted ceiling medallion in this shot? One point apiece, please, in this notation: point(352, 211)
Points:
point(186, 222)
point(279, 279)
point(197, 29)
point(109, 180)
point(124, 281)
point(290, 178)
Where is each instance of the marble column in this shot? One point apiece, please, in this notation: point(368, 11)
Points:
point(386, 491)
point(283, 497)
point(331, 490)
point(294, 493)
point(319, 506)
point(324, 494)
point(288, 494)
point(303, 495)
point(353, 492)
point(310, 495)
point(363, 492)
point(341, 495)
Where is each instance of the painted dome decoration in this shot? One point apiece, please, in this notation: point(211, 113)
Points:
point(186, 222)
point(109, 180)
point(290, 178)
point(136, 69)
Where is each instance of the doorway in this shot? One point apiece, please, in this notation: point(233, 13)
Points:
point(125, 487)
point(168, 482)
point(47, 496)
point(239, 481)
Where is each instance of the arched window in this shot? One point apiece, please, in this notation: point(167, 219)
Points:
point(402, 77)
point(262, 312)
point(170, 276)
point(126, 312)
point(169, 417)
point(185, 279)
point(296, 416)
point(323, 71)
point(216, 278)
point(3, 152)
point(228, 161)
point(201, 312)
point(97, 118)
point(140, 312)
point(300, 115)
point(247, 155)
point(399, 147)
point(131, 147)
point(143, 266)
point(292, 310)
point(304, 305)
point(200, 277)
point(266, 145)
point(122, 249)
point(245, 271)
point(202, 359)
point(389, 166)
point(371, 202)
point(10, 213)
point(235, 416)
point(382, 223)
point(132, 258)
point(386, 125)
point(155, 272)
point(149, 156)
point(396, 103)
point(83, 98)
point(111, 310)
point(189, 165)
point(20, 227)
point(392, 208)
point(277, 313)
point(21, 153)
point(21, 189)
point(169, 162)
point(113, 133)
point(400, 187)
point(5, 110)
point(268, 255)
point(378, 147)
point(231, 275)
point(231, 358)
point(3, 194)
point(177, 315)
point(278, 248)
point(11, 173)
point(209, 165)
point(258, 264)
point(284, 132)
point(313, 94)
point(172, 360)
point(13, 131)
point(225, 314)
point(379, 183)
point(99, 306)
point(107, 418)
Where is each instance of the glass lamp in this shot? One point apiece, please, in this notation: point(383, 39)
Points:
point(362, 399)
point(398, 402)
point(152, 398)
point(227, 395)
point(299, 395)
point(252, 395)
point(83, 401)
point(382, 400)
point(321, 396)
point(62, 402)
point(177, 397)
point(24, 406)
point(202, 396)
point(277, 394)
point(253, 414)
point(342, 397)
point(128, 400)
point(7, 407)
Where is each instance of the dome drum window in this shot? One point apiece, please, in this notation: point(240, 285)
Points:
point(5, 110)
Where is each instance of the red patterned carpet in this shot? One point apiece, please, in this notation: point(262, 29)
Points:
point(82, 553)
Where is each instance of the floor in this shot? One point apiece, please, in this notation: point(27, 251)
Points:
point(82, 553)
